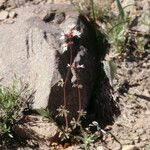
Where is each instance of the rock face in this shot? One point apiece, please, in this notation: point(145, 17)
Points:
point(31, 49)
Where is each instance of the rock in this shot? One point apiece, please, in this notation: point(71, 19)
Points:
point(73, 148)
point(146, 93)
point(130, 147)
point(147, 112)
point(12, 14)
point(140, 131)
point(100, 148)
point(3, 15)
point(32, 49)
point(35, 128)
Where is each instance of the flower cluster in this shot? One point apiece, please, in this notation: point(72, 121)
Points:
point(68, 35)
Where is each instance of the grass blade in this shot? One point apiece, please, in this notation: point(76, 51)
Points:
point(121, 10)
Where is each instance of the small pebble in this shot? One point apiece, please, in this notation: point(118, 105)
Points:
point(12, 14)
point(130, 147)
point(140, 131)
point(3, 15)
point(100, 148)
point(147, 112)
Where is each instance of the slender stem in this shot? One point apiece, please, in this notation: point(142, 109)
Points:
point(67, 76)
point(93, 11)
point(65, 83)
point(66, 121)
point(79, 92)
point(78, 83)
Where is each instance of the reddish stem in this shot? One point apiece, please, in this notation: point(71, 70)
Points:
point(79, 92)
point(66, 79)
point(78, 83)
point(67, 76)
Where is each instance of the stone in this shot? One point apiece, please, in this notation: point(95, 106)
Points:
point(3, 15)
point(73, 148)
point(146, 93)
point(32, 50)
point(130, 147)
point(100, 148)
point(140, 131)
point(147, 112)
point(12, 14)
point(35, 128)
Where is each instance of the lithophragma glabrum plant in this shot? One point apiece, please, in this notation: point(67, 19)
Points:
point(69, 42)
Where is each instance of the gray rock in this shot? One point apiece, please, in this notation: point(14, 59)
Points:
point(3, 15)
point(32, 49)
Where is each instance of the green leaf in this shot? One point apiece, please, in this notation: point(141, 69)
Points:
point(121, 10)
point(43, 112)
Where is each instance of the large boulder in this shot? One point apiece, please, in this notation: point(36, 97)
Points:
point(31, 49)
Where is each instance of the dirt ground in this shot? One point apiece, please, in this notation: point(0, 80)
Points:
point(132, 94)
point(131, 91)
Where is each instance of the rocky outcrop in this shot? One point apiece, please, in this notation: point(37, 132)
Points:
point(31, 49)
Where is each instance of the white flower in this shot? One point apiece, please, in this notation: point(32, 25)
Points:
point(68, 65)
point(64, 47)
point(75, 85)
point(80, 86)
point(95, 123)
point(61, 83)
point(76, 33)
point(80, 66)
